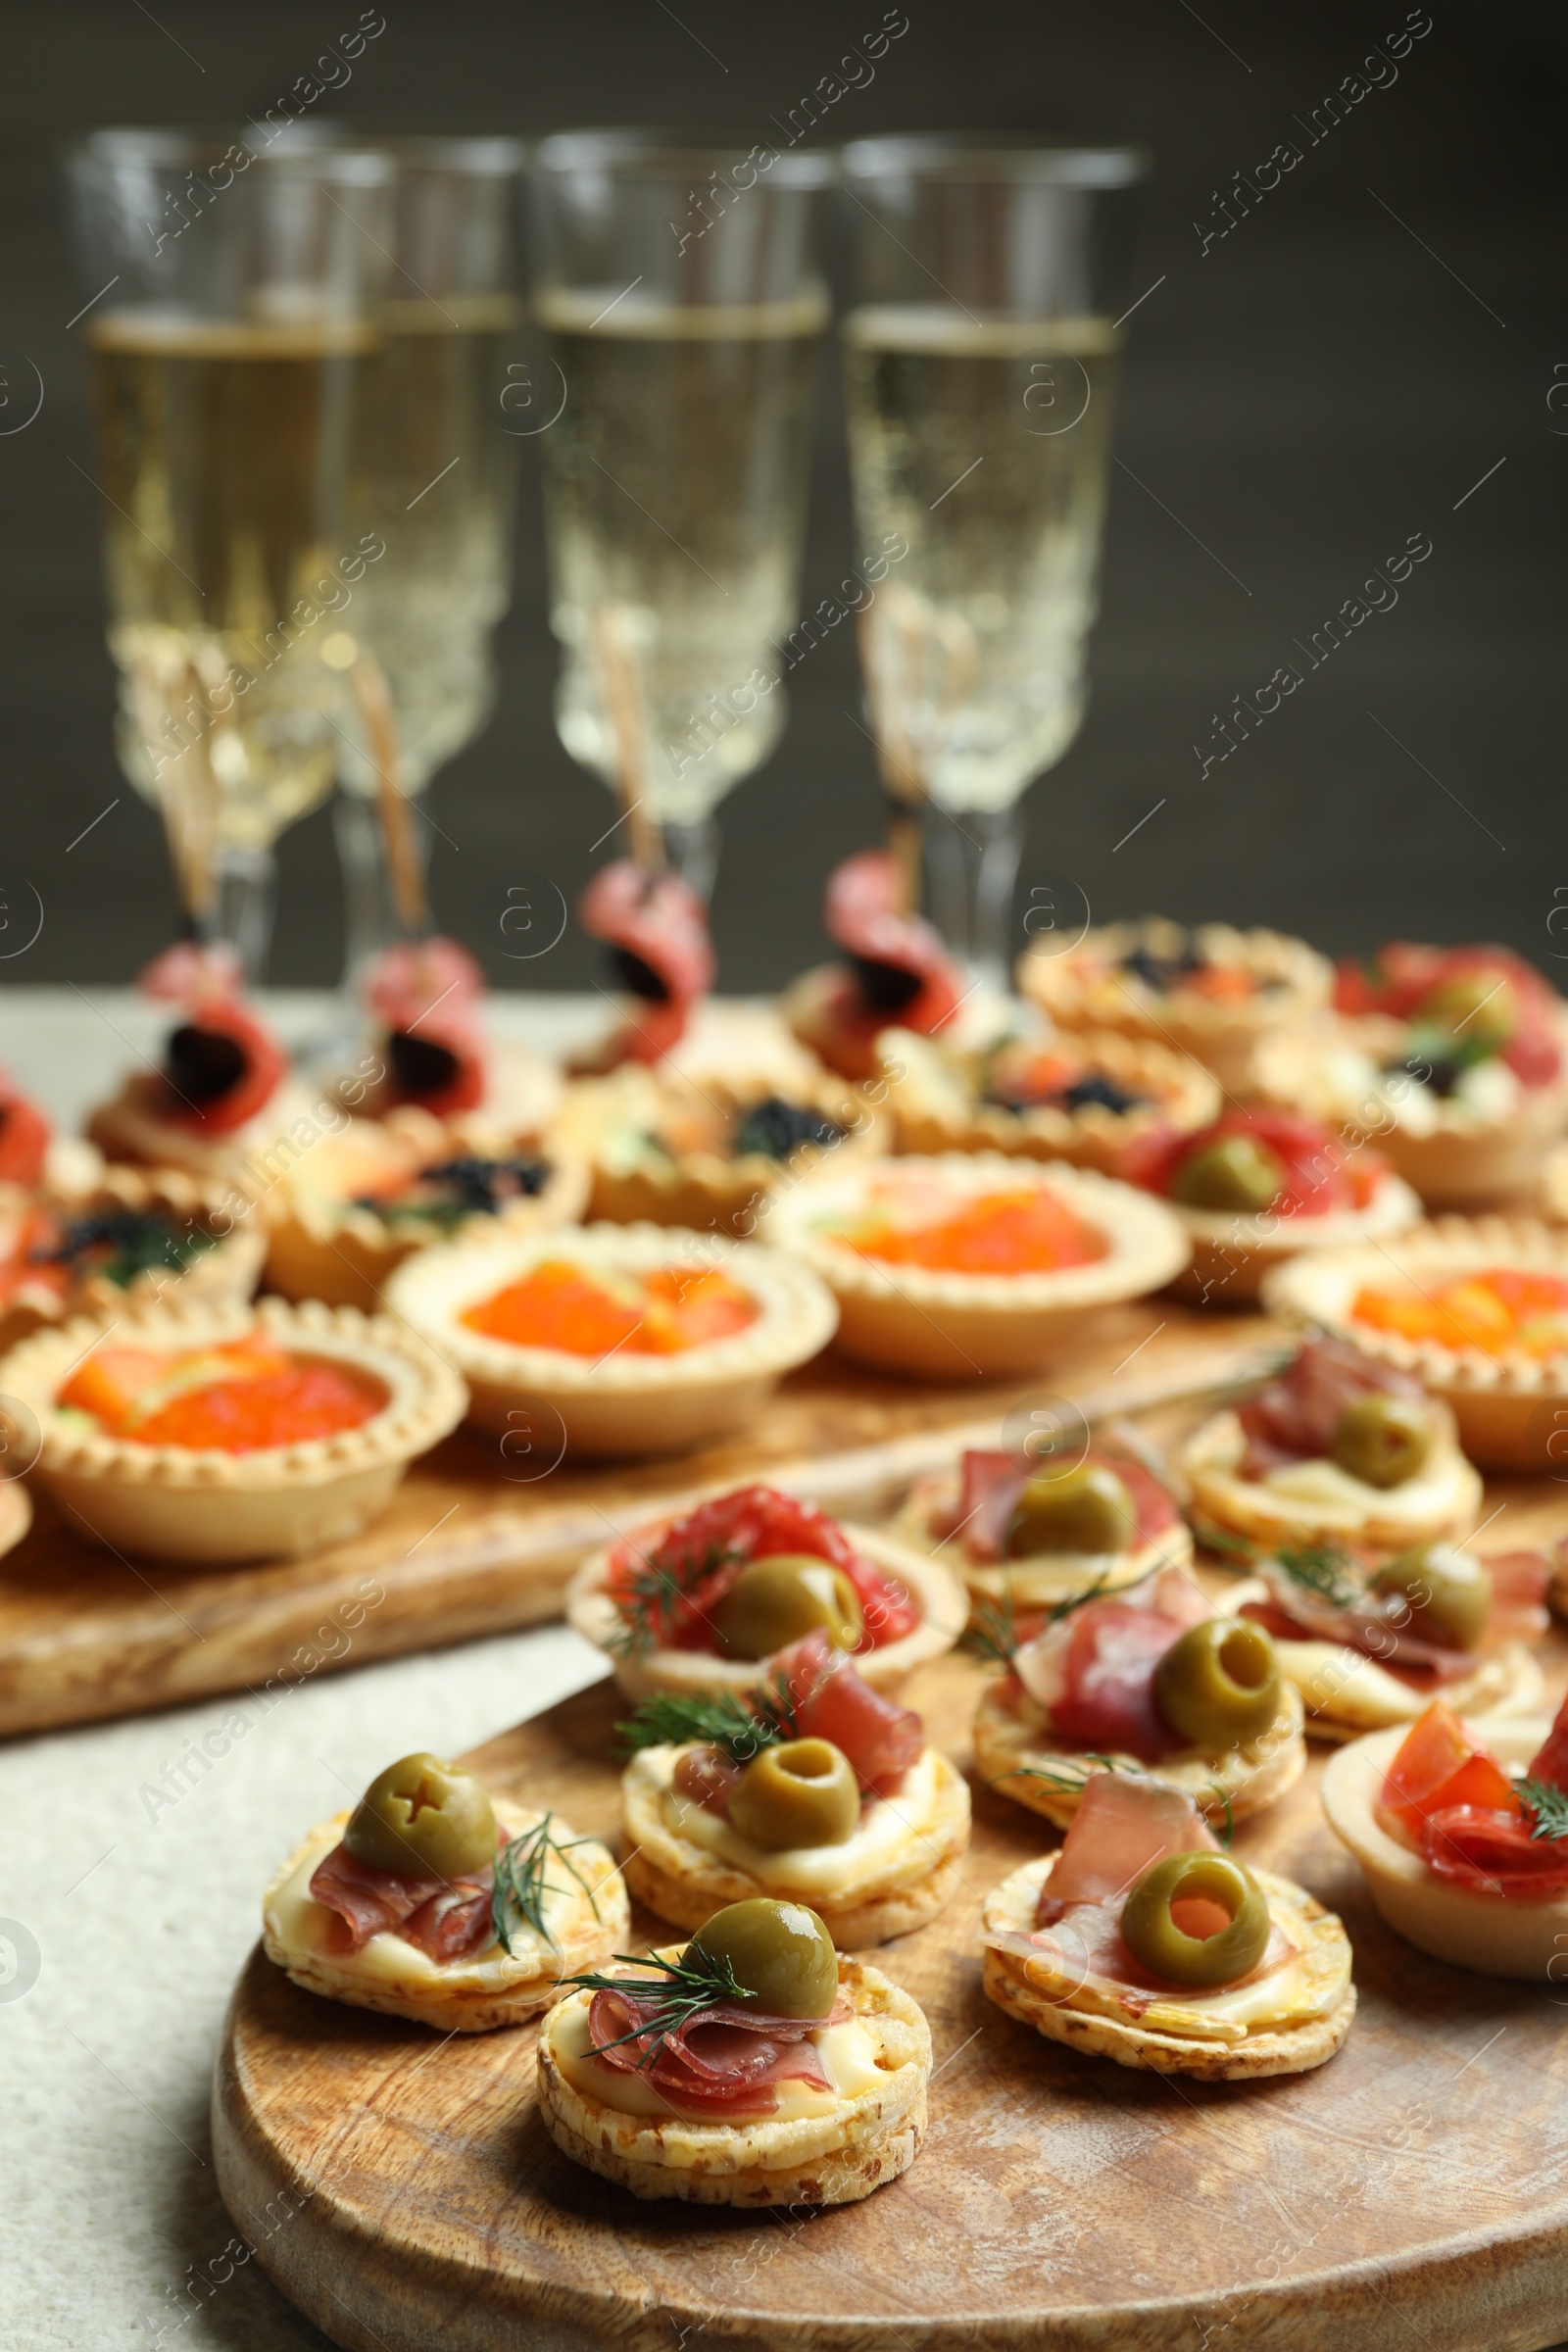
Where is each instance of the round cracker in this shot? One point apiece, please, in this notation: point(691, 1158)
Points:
point(1008, 1745)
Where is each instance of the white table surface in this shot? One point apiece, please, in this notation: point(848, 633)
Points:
point(141, 1914)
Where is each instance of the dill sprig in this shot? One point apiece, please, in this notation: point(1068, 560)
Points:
point(992, 1633)
point(647, 1605)
point(718, 1719)
point(1068, 1780)
point(1325, 1569)
point(1548, 1804)
point(689, 1986)
point(1078, 1601)
point(518, 1899)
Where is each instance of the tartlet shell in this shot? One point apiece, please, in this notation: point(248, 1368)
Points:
point(1497, 1937)
point(128, 1128)
point(1246, 1507)
point(829, 2159)
point(180, 1503)
point(910, 1321)
point(1240, 1783)
point(623, 1403)
point(943, 1612)
point(1233, 1255)
point(1288, 2051)
point(1511, 1410)
point(685, 1884)
point(478, 1995)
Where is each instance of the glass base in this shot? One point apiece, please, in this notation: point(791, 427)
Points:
point(972, 868)
point(247, 901)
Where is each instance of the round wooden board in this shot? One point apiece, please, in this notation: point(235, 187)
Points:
point(1414, 2191)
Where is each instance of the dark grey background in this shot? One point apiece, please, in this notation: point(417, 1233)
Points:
point(1321, 384)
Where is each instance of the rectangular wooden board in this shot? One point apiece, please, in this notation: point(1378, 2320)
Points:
point(477, 1543)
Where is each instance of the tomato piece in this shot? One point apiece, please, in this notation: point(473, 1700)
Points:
point(24, 1137)
point(1492, 1853)
point(1551, 1760)
point(1438, 1766)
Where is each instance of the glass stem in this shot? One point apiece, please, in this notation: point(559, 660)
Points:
point(972, 863)
point(693, 851)
point(247, 899)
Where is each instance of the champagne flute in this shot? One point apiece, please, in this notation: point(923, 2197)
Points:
point(981, 357)
point(682, 304)
point(233, 303)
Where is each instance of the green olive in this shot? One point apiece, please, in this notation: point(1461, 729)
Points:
point(1479, 1008)
point(780, 1951)
point(802, 1792)
point(1086, 1509)
point(1236, 1171)
point(778, 1600)
point(424, 1820)
point(1383, 1440)
point(1219, 1685)
point(1153, 1936)
point(1448, 1590)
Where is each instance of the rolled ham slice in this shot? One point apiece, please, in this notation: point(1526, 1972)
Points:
point(902, 970)
point(1293, 1419)
point(726, 2061)
point(447, 1920)
point(658, 931)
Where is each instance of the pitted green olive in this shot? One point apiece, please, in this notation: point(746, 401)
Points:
point(1236, 1171)
point(1183, 1893)
point(1219, 1685)
point(1382, 1441)
point(782, 1600)
point(802, 1792)
point(1481, 1009)
point(1448, 1590)
point(780, 1951)
point(424, 1820)
point(1086, 1509)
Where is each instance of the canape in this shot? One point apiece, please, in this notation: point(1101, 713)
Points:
point(1369, 1641)
point(707, 1601)
point(629, 1339)
point(1083, 1099)
point(973, 1263)
point(1143, 1942)
point(895, 970)
point(1032, 1533)
point(668, 1150)
point(1155, 1681)
point(751, 2066)
point(229, 1433)
point(816, 1790)
point(1463, 1831)
point(426, 1002)
point(363, 1200)
point(224, 1095)
point(435, 1900)
point(1214, 993)
point(1453, 1058)
point(1474, 1308)
point(128, 1240)
point(1340, 1444)
point(1258, 1187)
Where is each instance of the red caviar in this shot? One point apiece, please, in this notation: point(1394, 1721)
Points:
point(1031, 1230)
point(244, 1398)
point(560, 1305)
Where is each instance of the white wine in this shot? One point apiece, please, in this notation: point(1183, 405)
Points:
point(434, 476)
point(225, 452)
point(676, 488)
point(984, 444)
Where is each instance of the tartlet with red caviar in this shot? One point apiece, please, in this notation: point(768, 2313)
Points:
point(1143, 1942)
point(817, 1789)
point(1033, 1533)
point(1476, 1309)
point(1369, 1642)
point(1454, 1060)
point(750, 2067)
point(1155, 1681)
point(134, 1236)
point(615, 1338)
point(224, 1095)
point(707, 1601)
point(1214, 991)
point(666, 1149)
point(1342, 1446)
point(1082, 1098)
point(432, 1041)
point(436, 1901)
point(1462, 1833)
point(223, 1434)
point(973, 1263)
point(1256, 1187)
point(895, 971)
point(363, 1200)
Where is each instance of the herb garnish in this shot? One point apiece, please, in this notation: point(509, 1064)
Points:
point(1326, 1569)
point(692, 1983)
point(645, 1605)
point(518, 1899)
point(1549, 1805)
point(992, 1633)
point(718, 1719)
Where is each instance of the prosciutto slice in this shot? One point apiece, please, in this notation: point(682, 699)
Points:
point(222, 1063)
point(657, 930)
point(447, 1920)
point(990, 1485)
point(1294, 1611)
point(727, 2060)
point(902, 969)
point(1293, 1419)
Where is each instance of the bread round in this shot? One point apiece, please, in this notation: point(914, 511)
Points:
point(1440, 1500)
